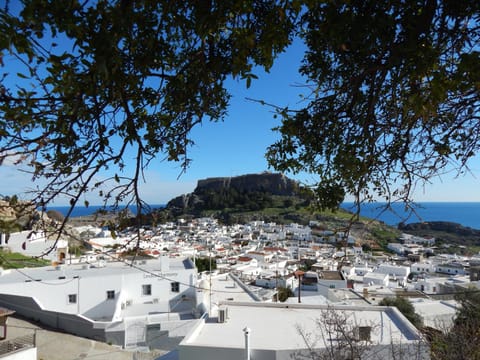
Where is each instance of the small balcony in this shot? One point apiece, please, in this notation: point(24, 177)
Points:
point(20, 344)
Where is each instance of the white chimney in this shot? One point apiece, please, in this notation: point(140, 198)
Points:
point(247, 343)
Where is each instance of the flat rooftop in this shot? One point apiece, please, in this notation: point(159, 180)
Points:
point(277, 326)
point(94, 269)
point(331, 275)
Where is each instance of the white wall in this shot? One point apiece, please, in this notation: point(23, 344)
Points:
point(27, 354)
point(34, 244)
point(92, 290)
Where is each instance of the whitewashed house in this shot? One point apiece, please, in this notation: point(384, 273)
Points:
point(397, 248)
point(362, 269)
point(429, 285)
point(423, 267)
point(323, 281)
point(117, 302)
point(452, 268)
point(35, 243)
point(375, 278)
point(412, 239)
point(437, 314)
point(396, 272)
point(274, 331)
point(272, 281)
point(260, 256)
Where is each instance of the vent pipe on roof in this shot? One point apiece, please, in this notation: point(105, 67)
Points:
point(246, 331)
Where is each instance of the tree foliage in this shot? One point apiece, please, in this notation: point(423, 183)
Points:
point(205, 264)
point(393, 97)
point(84, 85)
point(392, 92)
point(338, 336)
point(405, 307)
point(283, 293)
point(461, 341)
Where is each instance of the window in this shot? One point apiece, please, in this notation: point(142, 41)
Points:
point(147, 289)
point(72, 298)
point(332, 286)
point(363, 333)
point(110, 294)
point(175, 286)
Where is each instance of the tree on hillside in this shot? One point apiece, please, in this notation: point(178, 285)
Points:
point(393, 97)
point(86, 84)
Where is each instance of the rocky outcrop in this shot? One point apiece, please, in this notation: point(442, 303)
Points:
point(245, 192)
point(272, 183)
point(7, 212)
point(444, 226)
point(446, 231)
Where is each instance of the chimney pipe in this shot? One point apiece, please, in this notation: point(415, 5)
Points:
point(247, 343)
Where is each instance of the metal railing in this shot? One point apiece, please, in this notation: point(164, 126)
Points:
point(17, 344)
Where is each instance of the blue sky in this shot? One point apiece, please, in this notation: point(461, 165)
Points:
point(237, 145)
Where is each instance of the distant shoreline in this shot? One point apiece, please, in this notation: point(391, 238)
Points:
point(464, 213)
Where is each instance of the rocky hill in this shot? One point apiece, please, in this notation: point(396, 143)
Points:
point(273, 183)
point(246, 192)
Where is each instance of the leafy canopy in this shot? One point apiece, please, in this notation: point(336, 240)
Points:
point(393, 97)
point(86, 84)
point(393, 90)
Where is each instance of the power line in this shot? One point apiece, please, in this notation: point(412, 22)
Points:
point(128, 263)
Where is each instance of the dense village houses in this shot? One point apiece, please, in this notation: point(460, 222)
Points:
point(131, 303)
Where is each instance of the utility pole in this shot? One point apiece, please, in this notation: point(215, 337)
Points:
point(298, 275)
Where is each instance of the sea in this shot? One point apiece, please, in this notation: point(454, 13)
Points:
point(463, 213)
point(92, 209)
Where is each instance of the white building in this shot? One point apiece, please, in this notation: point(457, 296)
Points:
point(412, 239)
point(437, 314)
point(374, 278)
point(452, 268)
point(272, 282)
point(329, 280)
point(35, 243)
point(429, 285)
point(396, 272)
point(117, 302)
point(422, 267)
point(273, 331)
point(397, 248)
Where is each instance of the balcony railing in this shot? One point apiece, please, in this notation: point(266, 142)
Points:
point(17, 344)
